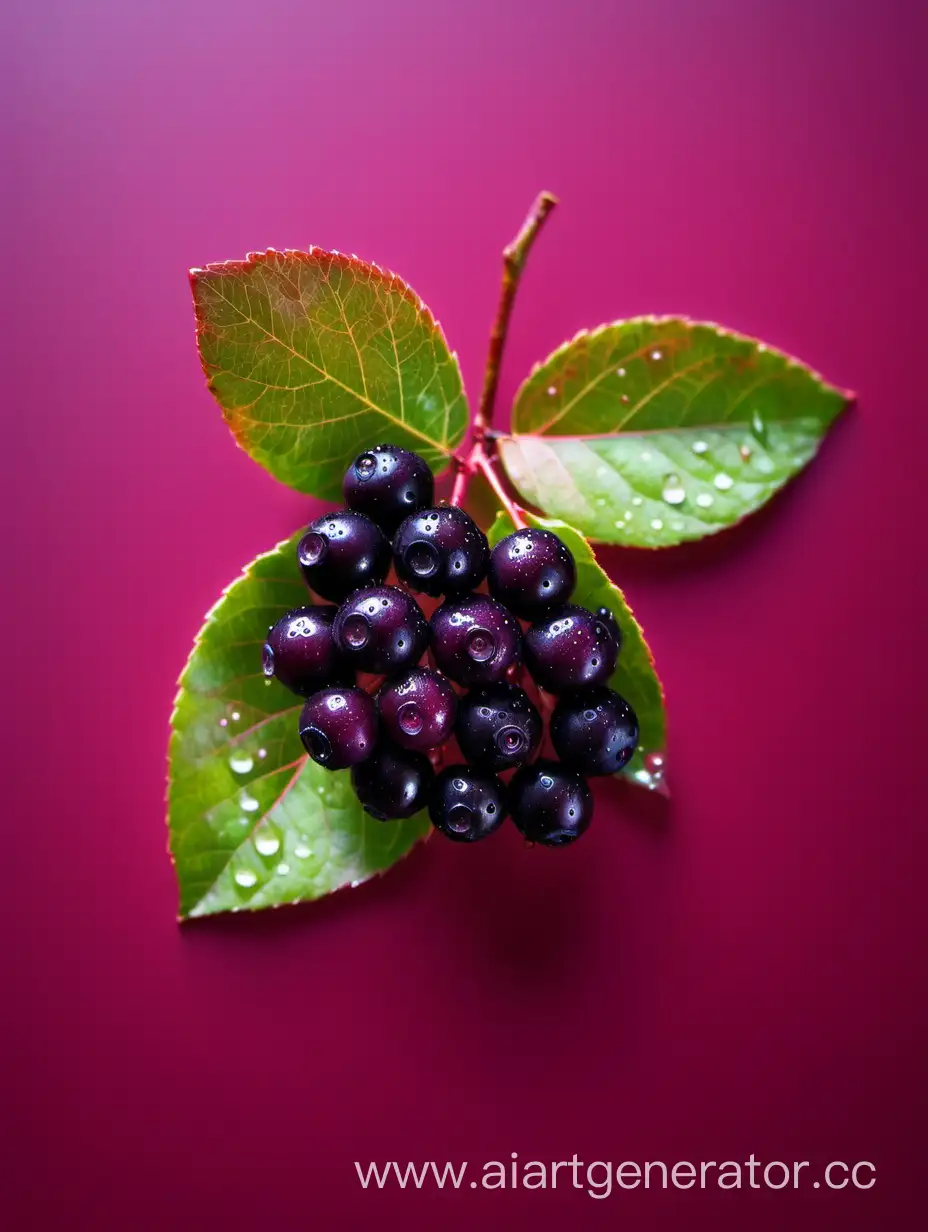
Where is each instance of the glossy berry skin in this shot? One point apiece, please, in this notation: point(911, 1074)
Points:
point(338, 727)
point(441, 551)
point(549, 804)
point(300, 651)
point(532, 572)
point(342, 551)
point(417, 709)
point(381, 629)
point(497, 727)
point(594, 731)
point(388, 484)
point(393, 783)
point(570, 650)
point(475, 640)
point(467, 804)
point(607, 616)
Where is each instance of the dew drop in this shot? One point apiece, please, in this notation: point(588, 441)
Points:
point(267, 844)
point(246, 878)
point(673, 491)
point(356, 631)
point(480, 645)
point(646, 456)
point(262, 753)
point(365, 466)
point(699, 447)
point(657, 524)
point(302, 852)
point(241, 763)
point(655, 355)
point(636, 500)
point(248, 803)
point(758, 427)
point(283, 869)
point(235, 716)
point(410, 719)
point(552, 391)
point(704, 500)
point(620, 371)
point(722, 481)
point(223, 722)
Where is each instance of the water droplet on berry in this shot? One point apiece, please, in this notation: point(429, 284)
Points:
point(248, 803)
point(673, 491)
point(241, 763)
point(365, 466)
point(510, 740)
point(459, 818)
point(245, 878)
point(699, 447)
point(480, 645)
point(356, 631)
point(318, 744)
point(267, 844)
point(312, 548)
point(722, 481)
point(704, 500)
point(410, 718)
point(422, 558)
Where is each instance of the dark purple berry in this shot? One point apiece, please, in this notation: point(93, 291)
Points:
point(381, 629)
point(532, 572)
point(441, 551)
point(342, 551)
point(393, 783)
point(467, 804)
point(475, 640)
point(388, 483)
point(300, 651)
point(497, 727)
point(549, 804)
point(594, 731)
point(417, 710)
point(338, 727)
point(571, 649)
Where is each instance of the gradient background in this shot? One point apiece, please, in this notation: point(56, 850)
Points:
point(743, 971)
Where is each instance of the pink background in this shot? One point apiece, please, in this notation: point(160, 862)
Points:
point(742, 972)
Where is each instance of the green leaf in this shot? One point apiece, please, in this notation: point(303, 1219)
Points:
point(315, 356)
point(635, 677)
point(253, 821)
point(657, 430)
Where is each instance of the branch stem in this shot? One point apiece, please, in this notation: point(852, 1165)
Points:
point(488, 470)
point(514, 258)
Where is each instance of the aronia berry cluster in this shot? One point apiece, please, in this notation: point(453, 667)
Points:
point(391, 692)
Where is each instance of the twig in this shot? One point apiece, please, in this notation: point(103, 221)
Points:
point(514, 257)
point(488, 470)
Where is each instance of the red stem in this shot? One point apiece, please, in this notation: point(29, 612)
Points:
point(488, 470)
